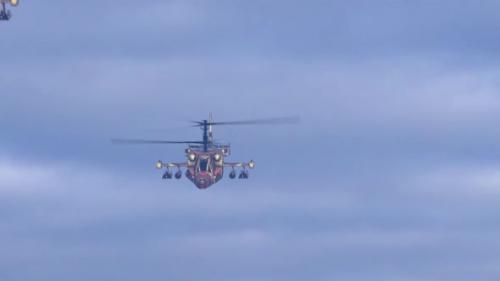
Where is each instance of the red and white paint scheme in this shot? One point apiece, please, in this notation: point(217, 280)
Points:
point(205, 159)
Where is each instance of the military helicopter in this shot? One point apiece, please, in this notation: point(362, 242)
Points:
point(4, 13)
point(205, 161)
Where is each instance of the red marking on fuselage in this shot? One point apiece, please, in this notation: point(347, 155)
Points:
point(213, 173)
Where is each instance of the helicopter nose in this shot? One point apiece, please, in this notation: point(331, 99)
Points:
point(203, 180)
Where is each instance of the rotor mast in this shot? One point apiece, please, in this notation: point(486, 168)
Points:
point(210, 131)
point(205, 135)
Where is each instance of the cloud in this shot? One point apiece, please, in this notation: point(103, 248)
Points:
point(392, 172)
point(316, 29)
point(467, 181)
point(17, 178)
point(89, 218)
point(368, 106)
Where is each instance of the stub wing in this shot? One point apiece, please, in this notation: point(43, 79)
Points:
point(168, 173)
point(250, 164)
point(243, 169)
point(160, 165)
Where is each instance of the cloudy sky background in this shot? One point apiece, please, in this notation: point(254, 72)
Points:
point(393, 173)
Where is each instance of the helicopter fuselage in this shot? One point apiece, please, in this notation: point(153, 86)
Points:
point(205, 161)
point(204, 168)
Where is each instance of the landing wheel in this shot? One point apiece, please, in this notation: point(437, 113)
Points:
point(178, 175)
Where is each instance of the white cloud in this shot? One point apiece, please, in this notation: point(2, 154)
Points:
point(465, 181)
point(83, 194)
point(94, 217)
point(392, 94)
point(24, 178)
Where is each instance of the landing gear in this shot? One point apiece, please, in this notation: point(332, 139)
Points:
point(178, 175)
point(232, 175)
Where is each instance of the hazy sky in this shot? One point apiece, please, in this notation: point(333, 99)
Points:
point(393, 173)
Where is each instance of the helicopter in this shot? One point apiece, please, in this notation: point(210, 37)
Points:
point(4, 13)
point(205, 159)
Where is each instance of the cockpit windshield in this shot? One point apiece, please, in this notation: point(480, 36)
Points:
point(204, 165)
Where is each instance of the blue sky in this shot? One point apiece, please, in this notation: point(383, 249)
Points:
point(392, 174)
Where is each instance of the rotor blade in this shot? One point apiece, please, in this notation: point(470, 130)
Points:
point(266, 121)
point(135, 141)
point(166, 129)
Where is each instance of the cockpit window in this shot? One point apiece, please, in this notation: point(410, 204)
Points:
point(203, 165)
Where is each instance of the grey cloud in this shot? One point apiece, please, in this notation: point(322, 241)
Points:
point(280, 28)
point(104, 227)
point(389, 106)
point(391, 174)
